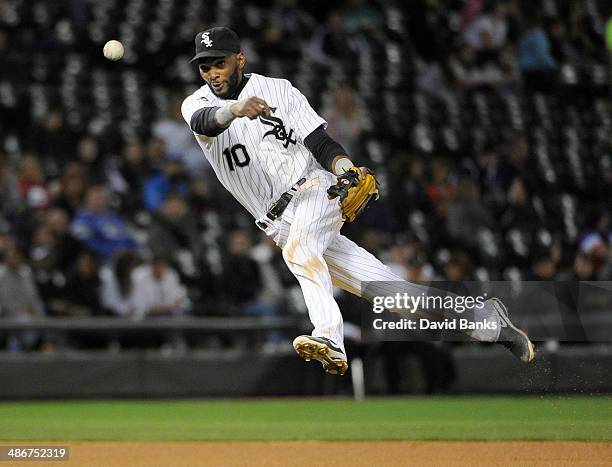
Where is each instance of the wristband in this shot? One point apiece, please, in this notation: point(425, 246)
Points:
point(342, 165)
point(224, 116)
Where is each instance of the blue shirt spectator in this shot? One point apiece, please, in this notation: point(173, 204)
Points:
point(157, 187)
point(534, 51)
point(100, 230)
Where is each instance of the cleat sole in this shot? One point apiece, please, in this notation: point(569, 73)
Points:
point(312, 350)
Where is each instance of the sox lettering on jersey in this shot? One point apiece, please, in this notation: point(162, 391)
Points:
point(278, 130)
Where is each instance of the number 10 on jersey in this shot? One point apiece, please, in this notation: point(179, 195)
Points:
point(237, 156)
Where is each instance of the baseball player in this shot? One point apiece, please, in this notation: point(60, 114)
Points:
point(269, 149)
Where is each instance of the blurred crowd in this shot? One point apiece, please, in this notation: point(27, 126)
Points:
point(488, 123)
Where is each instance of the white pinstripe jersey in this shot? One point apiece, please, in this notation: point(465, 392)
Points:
point(258, 160)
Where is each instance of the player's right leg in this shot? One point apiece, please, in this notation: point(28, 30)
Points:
point(350, 265)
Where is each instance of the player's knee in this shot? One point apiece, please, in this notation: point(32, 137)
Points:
point(302, 260)
point(289, 251)
point(293, 252)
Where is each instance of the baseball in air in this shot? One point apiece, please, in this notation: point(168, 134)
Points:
point(113, 50)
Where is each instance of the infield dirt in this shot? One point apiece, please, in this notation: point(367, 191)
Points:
point(336, 453)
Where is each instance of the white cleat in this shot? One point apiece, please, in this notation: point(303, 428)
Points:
point(511, 337)
point(322, 350)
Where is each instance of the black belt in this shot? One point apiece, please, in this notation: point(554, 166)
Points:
point(279, 206)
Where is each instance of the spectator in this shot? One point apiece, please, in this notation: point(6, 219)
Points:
point(271, 265)
point(457, 268)
point(429, 30)
point(88, 154)
point(129, 175)
point(72, 188)
point(19, 298)
point(7, 240)
point(360, 15)
point(467, 72)
point(556, 32)
point(520, 213)
point(520, 222)
point(344, 119)
point(595, 242)
point(65, 248)
point(399, 254)
point(9, 187)
point(333, 45)
point(117, 287)
point(171, 179)
point(179, 140)
point(464, 69)
point(582, 269)
point(515, 163)
point(32, 186)
point(157, 290)
point(467, 215)
point(99, 229)
point(201, 200)
point(174, 231)
point(18, 294)
point(50, 281)
point(53, 140)
point(418, 269)
point(535, 59)
point(83, 287)
point(584, 37)
point(509, 74)
point(469, 12)
point(543, 267)
point(488, 30)
point(485, 170)
point(156, 153)
point(294, 21)
point(242, 278)
point(440, 189)
point(275, 44)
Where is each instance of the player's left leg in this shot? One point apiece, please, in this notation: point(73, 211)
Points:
point(313, 221)
point(350, 265)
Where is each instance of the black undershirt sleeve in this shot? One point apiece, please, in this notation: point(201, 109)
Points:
point(323, 147)
point(203, 122)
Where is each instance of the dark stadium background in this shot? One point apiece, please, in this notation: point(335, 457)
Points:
point(494, 155)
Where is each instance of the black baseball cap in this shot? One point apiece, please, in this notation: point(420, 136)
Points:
point(216, 42)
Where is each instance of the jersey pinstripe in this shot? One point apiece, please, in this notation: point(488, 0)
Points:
point(258, 160)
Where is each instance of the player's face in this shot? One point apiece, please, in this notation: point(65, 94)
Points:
point(223, 74)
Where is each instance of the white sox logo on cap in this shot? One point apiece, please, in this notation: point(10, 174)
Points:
point(206, 40)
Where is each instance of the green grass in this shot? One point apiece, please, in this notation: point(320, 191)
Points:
point(452, 418)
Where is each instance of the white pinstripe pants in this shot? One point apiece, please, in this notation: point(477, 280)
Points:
point(320, 257)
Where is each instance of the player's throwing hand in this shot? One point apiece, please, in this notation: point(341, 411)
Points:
point(252, 108)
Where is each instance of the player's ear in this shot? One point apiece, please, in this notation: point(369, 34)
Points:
point(241, 60)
